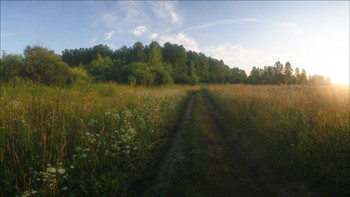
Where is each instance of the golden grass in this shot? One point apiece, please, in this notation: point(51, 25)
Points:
point(306, 127)
point(95, 140)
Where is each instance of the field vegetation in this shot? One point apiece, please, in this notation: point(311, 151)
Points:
point(96, 140)
point(302, 131)
point(68, 129)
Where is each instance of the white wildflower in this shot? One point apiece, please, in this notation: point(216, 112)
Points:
point(34, 191)
point(25, 194)
point(61, 170)
point(51, 169)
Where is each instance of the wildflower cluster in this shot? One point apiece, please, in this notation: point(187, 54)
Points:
point(48, 180)
point(92, 134)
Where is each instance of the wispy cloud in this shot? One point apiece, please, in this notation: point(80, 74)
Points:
point(293, 26)
point(224, 22)
point(109, 35)
point(180, 38)
point(153, 36)
point(166, 9)
point(121, 14)
point(139, 30)
point(111, 46)
point(93, 41)
point(239, 56)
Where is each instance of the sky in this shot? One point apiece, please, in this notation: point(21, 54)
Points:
point(313, 35)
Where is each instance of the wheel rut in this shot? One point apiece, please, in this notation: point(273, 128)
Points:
point(205, 160)
point(263, 174)
point(162, 182)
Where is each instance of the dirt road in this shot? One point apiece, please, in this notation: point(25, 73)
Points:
point(205, 160)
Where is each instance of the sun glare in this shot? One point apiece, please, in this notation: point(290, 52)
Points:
point(341, 77)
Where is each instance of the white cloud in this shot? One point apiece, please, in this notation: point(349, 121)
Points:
point(119, 15)
point(223, 22)
point(238, 56)
point(293, 26)
point(109, 35)
point(153, 36)
point(107, 18)
point(166, 9)
point(111, 46)
point(182, 39)
point(139, 30)
point(93, 41)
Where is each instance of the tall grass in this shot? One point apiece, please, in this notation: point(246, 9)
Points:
point(306, 128)
point(82, 141)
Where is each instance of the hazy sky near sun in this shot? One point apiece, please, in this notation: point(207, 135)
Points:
point(311, 35)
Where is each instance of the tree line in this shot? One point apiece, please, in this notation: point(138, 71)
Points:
point(140, 65)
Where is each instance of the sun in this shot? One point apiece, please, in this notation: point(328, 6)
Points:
point(340, 77)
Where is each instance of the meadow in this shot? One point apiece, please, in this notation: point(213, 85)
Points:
point(95, 140)
point(303, 131)
point(107, 139)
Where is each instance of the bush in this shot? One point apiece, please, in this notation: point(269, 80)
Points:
point(79, 77)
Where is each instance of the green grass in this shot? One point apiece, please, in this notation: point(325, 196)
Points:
point(209, 166)
point(83, 141)
point(304, 130)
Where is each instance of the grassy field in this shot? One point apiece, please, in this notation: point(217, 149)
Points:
point(97, 140)
point(304, 130)
point(106, 139)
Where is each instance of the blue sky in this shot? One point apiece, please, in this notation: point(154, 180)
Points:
point(311, 35)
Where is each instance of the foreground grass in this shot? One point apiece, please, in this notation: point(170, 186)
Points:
point(305, 130)
point(90, 141)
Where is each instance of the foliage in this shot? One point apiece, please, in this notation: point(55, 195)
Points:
point(44, 66)
point(79, 76)
point(96, 141)
point(11, 66)
point(99, 67)
point(144, 65)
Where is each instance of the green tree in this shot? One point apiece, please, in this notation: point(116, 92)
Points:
point(138, 53)
point(204, 66)
point(44, 66)
point(155, 58)
point(177, 57)
point(161, 76)
point(237, 76)
point(297, 75)
point(142, 74)
point(288, 70)
point(255, 76)
point(79, 76)
point(124, 54)
point(303, 77)
point(267, 76)
point(11, 66)
point(278, 73)
point(99, 67)
point(103, 50)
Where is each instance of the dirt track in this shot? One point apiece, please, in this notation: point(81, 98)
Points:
point(203, 146)
point(161, 184)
